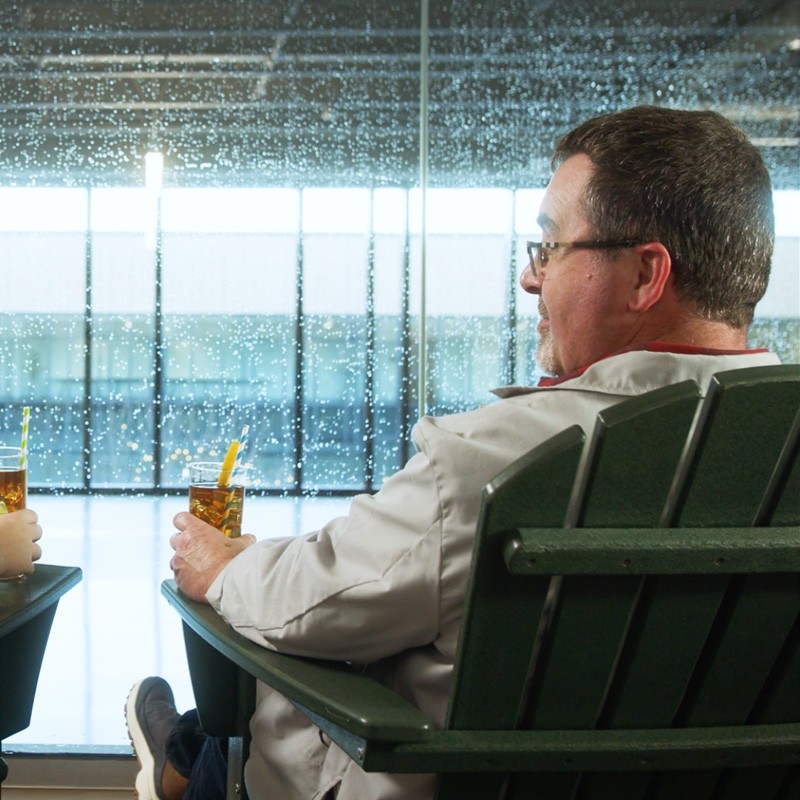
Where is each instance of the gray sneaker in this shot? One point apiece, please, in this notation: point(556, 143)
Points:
point(151, 715)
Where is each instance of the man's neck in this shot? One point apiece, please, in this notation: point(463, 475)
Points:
point(708, 334)
point(671, 321)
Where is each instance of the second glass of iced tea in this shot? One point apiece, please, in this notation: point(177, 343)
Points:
point(220, 506)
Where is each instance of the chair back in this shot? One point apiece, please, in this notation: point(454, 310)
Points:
point(646, 580)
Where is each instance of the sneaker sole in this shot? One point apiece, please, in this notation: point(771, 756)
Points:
point(145, 778)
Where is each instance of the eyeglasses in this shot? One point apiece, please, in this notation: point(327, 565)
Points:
point(538, 251)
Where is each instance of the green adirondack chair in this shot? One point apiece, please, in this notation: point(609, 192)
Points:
point(631, 627)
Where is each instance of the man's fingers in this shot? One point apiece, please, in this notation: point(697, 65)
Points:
point(182, 519)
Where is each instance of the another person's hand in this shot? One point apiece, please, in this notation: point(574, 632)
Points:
point(19, 532)
point(201, 553)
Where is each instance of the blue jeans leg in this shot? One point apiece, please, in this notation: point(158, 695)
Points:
point(200, 758)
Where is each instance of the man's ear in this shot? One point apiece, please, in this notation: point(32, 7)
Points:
point(654, 269)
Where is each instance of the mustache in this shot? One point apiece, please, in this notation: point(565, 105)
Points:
point(543, 310)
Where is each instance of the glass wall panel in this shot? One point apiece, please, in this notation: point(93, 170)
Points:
point(392, 364)
point(336, 277)
point(42, 327)
point(122, 338)
point(523, 368)
point(777, 318)
point(228, 264)
point(469, 235)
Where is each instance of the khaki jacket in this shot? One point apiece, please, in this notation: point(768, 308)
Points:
point(385, 584)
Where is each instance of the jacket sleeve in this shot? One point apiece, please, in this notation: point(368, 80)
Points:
point(363, 587)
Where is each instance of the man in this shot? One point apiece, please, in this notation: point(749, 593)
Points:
point(658, 231)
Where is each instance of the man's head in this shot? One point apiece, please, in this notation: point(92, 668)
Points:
point(693, 194)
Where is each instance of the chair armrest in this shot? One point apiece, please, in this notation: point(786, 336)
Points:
point(332, 691)
point(21, 601)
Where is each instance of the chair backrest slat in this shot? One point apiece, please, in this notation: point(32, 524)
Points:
point(781, 696)
point(537, 487)
point(739, 655)
point(650, 670)
point(732, 457)
point(782, 503)
point(629, 464)
point(746, 784)
point(581, 625)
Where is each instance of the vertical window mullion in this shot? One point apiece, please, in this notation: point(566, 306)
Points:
point(86, 456)
point(510, 333)
point(422, 389)
point(369, 378)
point(299, 381)
point(406, 340)
point(158, 352)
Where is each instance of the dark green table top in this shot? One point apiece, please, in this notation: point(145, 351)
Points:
point(24, 598)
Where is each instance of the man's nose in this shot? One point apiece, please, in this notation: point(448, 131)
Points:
point(529, 282)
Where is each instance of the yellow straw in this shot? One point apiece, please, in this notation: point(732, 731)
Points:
point(23, 456)
point(224, 479)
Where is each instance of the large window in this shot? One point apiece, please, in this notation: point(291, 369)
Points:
point(333, 244)
point(146, 330)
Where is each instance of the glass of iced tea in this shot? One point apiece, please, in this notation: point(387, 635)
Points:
point(220, 506)
point(13, 483)
point(13, 480)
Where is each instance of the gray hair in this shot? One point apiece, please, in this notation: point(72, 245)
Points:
point(692, 181)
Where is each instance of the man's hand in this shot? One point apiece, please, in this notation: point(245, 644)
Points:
point(19, 532)
point(201, 553)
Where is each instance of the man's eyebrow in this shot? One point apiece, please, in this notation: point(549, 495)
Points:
point(544, 222)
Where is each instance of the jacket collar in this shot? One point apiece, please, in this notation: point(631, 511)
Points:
point(650, 347)
point(605, 371)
